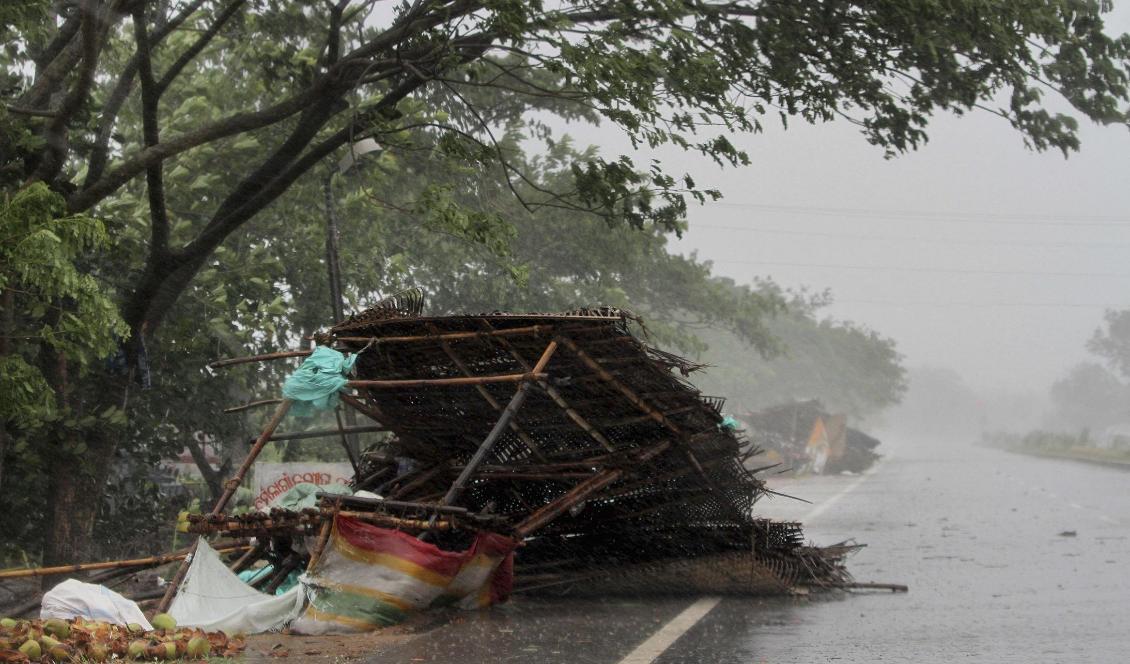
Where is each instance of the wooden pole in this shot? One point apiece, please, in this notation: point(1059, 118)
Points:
point(152, 561)
point(252, 404)
point(349, 451)
point(229, 490)
point(444, 382)
point(231, 485)
point(220, 364)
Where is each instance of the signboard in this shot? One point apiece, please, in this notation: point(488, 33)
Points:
point(273, 480)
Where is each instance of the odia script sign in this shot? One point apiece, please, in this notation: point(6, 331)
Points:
point(273, 480)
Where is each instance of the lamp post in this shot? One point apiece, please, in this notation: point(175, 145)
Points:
point(333, 260)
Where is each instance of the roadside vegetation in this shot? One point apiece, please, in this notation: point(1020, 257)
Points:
point(1090, 417)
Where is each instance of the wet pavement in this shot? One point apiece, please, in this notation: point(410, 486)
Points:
point(974, 532)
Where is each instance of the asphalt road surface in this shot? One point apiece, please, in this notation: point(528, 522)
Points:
point(974, 532)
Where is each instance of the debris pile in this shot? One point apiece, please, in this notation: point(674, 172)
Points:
point(520, 452)
point(803, 436)
point(564, 432)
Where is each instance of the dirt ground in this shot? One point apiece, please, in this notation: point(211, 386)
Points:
point(263, 648)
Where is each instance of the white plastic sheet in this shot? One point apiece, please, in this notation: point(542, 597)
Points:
point(75, 599)
point(213, 598)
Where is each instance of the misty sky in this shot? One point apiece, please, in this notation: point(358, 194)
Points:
point(975, 253)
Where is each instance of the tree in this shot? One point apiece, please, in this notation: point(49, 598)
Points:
point(1113, 343)
point(849, 368)
point(1090, 396)
point(315, 76)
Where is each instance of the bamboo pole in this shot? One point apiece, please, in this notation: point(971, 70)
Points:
point(247, 559)
point(325, 433)
point(268, 431)
point(252, 404)
point(281, 355)
point(368, 410)
point(151, 561)
point(893, 587)
point(444, 382)
point(358, 501)
point(453, 336)
point(345, 443)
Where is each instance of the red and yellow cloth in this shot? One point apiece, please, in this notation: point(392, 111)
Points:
point(369, 577)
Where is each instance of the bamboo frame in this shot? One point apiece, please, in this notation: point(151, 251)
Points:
point(582, 492)
point(516, 402)
point(534, 448)
point(554, 394)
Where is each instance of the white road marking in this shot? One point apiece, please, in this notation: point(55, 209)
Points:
point(822, 507)
point(650, 650)
point(1076, 505)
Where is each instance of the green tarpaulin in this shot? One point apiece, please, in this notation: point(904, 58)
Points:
point(314, 386)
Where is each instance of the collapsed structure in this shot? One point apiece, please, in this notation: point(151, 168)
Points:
point(526, 451)
point(804, 436)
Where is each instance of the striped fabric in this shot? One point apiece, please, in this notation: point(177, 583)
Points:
point(371, 577)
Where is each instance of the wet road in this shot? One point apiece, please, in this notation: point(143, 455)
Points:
point(974, 532)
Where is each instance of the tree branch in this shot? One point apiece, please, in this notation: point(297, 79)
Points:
point(154, 179)
point(201, 42)
point(100, 153)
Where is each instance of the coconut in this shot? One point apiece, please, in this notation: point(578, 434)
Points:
point(57, 628)
point(137, 649)
point(31, 649)
point(199, 647)
point(164, 621)
point(98, 652)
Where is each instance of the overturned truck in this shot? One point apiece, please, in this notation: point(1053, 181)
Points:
point(525, 452)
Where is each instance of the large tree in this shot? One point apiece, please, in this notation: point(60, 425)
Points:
point(316, 75)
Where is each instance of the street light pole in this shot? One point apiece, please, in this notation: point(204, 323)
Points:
point(333, 260)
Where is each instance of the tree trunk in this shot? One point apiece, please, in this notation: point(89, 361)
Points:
point(212, 477)
point(78, 480)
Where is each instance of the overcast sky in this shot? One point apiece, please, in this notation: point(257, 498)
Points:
point(974, 253)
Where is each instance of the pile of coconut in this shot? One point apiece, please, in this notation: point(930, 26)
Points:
point(60, 641)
